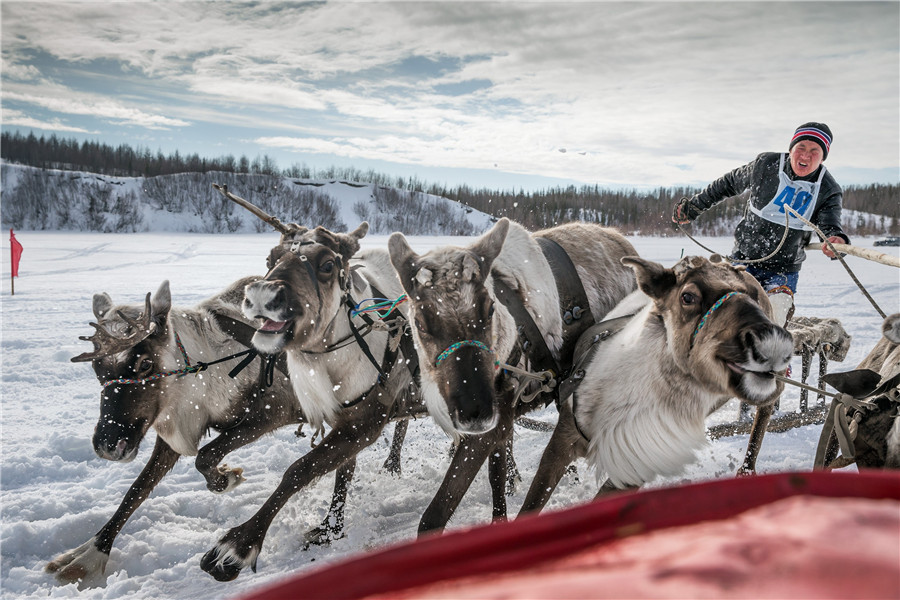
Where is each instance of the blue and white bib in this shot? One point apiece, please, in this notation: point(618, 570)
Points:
point(799, 195)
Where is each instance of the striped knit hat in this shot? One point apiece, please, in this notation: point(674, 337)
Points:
point(815, 132)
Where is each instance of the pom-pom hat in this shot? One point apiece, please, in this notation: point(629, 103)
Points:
point(814, 132)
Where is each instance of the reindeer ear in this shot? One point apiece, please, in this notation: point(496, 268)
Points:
point(161, 304)
point(404, 260)
point(361, 231)
point(488, 247)
point(891, 328)
point(653, 279)
point(102, 304)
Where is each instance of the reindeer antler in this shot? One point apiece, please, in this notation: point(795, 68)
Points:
point(106, 343)
point(273, 221)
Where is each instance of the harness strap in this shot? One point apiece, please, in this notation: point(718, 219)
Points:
point(535, 345)
point(351, 303)
point(585, 350)
point(242, 334)
point(573, 300)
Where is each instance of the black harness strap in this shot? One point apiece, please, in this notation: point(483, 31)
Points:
point(535, 346)
point(243, 333)
point(585, 350)
point(575, 308)
point(573, 300)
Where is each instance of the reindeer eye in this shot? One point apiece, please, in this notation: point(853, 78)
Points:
point(688, 298)
point(491, 311)
point(145, 366)
point(327, 267)
point(420, 326)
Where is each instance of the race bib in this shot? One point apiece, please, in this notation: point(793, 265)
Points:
point(801, 196)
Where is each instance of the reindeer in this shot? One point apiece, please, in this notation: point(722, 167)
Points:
point(341, 361)
point(467, 305)
point(138, 353)
point(866, 411)
point(688, 340)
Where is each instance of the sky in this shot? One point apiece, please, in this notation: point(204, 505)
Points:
point(501, 94)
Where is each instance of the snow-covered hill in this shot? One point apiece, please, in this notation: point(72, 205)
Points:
point(47, 199)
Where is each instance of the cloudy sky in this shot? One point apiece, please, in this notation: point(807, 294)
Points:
point(506, 94)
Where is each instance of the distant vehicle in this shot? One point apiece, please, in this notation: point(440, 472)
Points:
point(888, 241)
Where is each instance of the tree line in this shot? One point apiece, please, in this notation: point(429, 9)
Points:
point(632, 211)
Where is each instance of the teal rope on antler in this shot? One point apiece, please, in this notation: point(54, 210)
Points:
point(454, 347)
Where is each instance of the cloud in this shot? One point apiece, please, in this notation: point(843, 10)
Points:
point(636, 91)
point(15, 117)
point(101, 108)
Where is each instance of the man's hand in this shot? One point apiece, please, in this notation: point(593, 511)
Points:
point(835, 239)
point(684, 212)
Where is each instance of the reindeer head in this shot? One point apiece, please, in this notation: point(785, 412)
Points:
point(456, 327)
point(717, 321)
point(298, 299)
point(129, 344)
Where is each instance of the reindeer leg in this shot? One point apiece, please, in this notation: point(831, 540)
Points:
point(332, 528)
point(757, 431)
point(89, 559)
point(392, 463)
point(221, 478)
point(470, 454)
point(804, 375)
point(357, 428)
point(561, 450)
point(497, 476)
point(467, 459)
point(513, 477)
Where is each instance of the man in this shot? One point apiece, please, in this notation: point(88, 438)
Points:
point(798, 179)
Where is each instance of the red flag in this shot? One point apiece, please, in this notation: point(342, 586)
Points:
point(15, 253)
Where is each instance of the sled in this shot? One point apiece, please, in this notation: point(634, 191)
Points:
point(798, 535)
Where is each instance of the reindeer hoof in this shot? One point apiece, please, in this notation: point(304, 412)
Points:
point(81, 564)
point(227, 479)
point(220, 570)
point(321, 536)
point(392, 467)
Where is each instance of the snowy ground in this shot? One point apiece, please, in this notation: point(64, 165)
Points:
point(56, 493)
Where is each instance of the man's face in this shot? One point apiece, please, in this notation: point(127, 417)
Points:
point(806, 156)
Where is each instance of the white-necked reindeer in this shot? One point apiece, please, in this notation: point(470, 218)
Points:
point(463, 328)
point(135, 347)
point(701, 333)
point(306, 306)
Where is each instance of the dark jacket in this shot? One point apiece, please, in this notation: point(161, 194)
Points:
point(756, 237)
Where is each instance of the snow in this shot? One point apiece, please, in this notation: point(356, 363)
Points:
point(56, 493)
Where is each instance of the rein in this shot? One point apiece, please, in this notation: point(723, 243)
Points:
point(746, 261)
point(189, 368)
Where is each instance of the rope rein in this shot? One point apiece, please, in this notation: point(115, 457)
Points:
point(746, 261)
point(787, 214)
point(189, 368)
point(840, 258)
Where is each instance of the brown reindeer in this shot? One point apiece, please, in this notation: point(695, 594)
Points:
point(134, 346)
point(693, 337)
point(462, 305)
point(348, 370)
point(872, 438)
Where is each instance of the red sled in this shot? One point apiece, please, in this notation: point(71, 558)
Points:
point(789, 535)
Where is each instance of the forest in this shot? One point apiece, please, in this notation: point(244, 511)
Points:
point(632, 211)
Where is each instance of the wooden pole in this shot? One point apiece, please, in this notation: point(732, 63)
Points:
point(867, 253)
